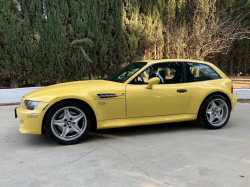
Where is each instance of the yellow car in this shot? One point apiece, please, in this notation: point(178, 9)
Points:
point(142, 93)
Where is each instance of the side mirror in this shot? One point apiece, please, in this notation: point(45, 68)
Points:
point(152, 81)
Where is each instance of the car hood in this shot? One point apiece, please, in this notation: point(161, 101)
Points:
point(76, 89)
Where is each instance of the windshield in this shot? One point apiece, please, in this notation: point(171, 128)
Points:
point(125, 73)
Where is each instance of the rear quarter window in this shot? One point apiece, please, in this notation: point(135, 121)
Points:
point(200, 72)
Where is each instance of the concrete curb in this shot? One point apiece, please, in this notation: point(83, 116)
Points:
point(9, 96)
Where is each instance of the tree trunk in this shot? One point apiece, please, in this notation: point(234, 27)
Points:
point(104, 76)
point(91, 75)
point(58, 80)
point(144, 56)
point(155, 57)
point(13, 81)
point(38, 83)
point(231, 67)
point(245, 68)
point(119, 66)
point(177, 53)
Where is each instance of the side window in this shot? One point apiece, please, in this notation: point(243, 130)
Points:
point(200, 72)
point(142, 78)
point(169, 73)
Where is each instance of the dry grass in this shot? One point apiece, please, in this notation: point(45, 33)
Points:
point(240, 82)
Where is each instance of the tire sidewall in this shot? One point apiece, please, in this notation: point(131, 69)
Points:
point(203, 116)
point(58, 107)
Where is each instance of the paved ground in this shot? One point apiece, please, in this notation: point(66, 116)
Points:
point(180, 154)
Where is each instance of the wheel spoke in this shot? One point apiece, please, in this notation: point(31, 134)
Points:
point(65, 132)
point(210, 107)
point(67, 114)
point(59, 122)
point(214, 106)
point(76, 128)
point(219, 114)
point(211, 117)
point(209, 111)
point(218, 109)
point(77, 118)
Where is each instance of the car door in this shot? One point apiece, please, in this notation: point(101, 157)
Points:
point(169, 97)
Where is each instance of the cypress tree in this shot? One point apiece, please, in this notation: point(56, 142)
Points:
point(83, 26)
point(111, 37)
point(50, 38)
point(11, 63)
point(248, 3)
point(35, 39)
point(132, 26)
point(142, 23)
point(57, 42)
point(151, 13)
point(77, 29)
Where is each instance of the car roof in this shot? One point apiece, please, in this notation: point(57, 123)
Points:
point(151, 62)
point(175, 60)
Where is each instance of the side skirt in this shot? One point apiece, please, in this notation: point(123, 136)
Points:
point(145, 121)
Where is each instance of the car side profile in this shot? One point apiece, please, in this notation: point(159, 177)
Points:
point(141, 93)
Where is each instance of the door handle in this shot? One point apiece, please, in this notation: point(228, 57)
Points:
point(182, 90)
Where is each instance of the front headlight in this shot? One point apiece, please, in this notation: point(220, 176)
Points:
point(30, 105)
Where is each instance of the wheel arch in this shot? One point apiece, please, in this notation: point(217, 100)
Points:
point(216, 93)
point(70, 100)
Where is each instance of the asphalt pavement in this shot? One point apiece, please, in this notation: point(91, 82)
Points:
point(176, 154)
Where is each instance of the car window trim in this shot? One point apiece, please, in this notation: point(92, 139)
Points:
point(151, 68)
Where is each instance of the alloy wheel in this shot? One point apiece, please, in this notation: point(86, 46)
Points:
point(68, 123)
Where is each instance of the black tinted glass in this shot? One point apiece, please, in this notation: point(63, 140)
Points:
point(125, 73)
point(200, 72)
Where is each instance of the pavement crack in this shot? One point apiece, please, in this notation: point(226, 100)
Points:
point(137, 167)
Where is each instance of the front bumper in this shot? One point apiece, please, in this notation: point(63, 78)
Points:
point(31, 120)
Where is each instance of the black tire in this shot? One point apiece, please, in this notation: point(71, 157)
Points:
point(204, 117)
point(83, 125)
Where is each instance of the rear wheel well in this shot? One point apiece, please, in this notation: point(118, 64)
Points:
point(71, 100)
point(217, 93)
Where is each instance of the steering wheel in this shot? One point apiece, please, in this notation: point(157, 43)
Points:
point(141, 78)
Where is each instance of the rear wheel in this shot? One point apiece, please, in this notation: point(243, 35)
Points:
point(214, 112)
point(68, 123)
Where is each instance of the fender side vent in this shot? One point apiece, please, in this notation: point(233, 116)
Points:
point(106, 95)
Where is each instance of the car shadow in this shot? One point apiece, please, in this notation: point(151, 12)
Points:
point(40, 141)
point(143, 130)
point(123, 132)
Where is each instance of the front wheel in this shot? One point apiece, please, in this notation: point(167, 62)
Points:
point(68, 123)
point(214, 112)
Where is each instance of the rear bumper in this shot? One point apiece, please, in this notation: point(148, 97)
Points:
point(233, 101)
point(31, 120)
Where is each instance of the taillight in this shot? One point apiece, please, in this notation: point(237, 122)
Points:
point(232, 89)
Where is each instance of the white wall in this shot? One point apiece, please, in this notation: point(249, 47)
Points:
point(242, 93)
point(15, 95)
